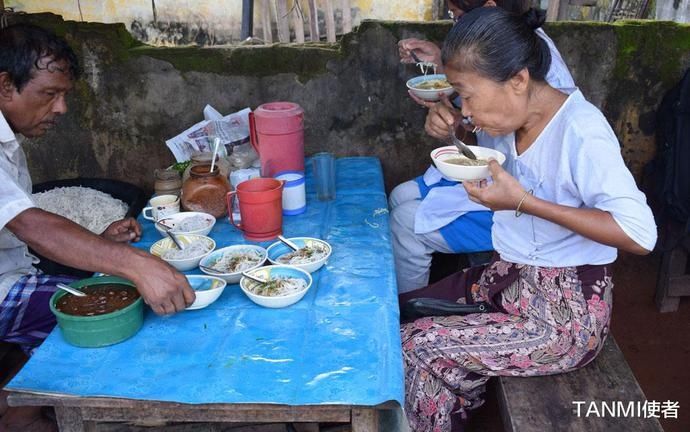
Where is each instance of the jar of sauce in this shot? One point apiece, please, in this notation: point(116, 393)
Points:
point(167, 182)
point(205, 191)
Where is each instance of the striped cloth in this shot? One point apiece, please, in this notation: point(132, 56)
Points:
point(25, 316)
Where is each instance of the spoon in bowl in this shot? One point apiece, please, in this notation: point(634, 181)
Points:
point(254, 278)
point(289, 244)
point(71, 290)
point(462, 147)
point(175, 240)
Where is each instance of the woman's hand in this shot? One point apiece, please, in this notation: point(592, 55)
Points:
point(123, 230)
point(504, 193)
point(441, 117)
point(424, 50)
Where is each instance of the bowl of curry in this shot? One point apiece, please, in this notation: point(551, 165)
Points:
point(111, 311)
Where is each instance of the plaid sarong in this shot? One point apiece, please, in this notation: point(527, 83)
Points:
point(25, 316)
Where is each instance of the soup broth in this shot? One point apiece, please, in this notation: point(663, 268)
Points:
point(434, 84)
point(99, 300)
point(467, 161)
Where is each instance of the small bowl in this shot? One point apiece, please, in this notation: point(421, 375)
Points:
point(273, 271)
point(207, 290)
point(464, 172)
point(212, 259)
point(162, 245)
point(278, 249)
point(174, 220)
point(99, 330)
point(431, 95)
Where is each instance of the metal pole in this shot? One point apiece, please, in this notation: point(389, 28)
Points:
point(247, 19)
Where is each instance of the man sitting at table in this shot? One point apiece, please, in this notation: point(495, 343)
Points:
point(37, 70)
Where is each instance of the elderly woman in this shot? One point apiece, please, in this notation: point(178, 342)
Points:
point(564, 202)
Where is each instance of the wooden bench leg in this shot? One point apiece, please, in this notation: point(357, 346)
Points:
point(672, 264)
point(365, 420)
point(70, 420)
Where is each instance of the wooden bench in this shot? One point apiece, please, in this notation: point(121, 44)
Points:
point(538, 404)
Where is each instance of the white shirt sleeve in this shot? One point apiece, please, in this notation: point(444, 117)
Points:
point(13, 199)
point(604, 182)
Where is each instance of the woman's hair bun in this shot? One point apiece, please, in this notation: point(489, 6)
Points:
point(534, 18)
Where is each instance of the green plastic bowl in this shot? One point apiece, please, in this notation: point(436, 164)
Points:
point(99, 330)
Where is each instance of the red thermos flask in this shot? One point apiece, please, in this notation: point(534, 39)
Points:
point(276, 130)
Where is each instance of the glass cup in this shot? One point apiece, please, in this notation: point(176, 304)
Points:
point(323, 165)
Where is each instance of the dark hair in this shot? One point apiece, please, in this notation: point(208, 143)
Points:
point(23, 46)
point(516, 7)
point(498, 44)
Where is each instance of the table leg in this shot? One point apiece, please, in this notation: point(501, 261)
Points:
point(69, 419)
point(365, 420)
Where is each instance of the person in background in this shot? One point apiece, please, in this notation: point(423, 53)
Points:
point(563, 203)
point(434, 214)
point(37, 71)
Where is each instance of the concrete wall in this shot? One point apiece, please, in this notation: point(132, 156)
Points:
point(134, 97)
point(208, 22)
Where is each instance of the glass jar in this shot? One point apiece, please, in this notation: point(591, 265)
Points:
point(205, 191)
point(167, 182)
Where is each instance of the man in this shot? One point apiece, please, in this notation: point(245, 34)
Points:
point(37, 70)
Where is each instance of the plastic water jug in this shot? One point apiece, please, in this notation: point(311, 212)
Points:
point(276, 130)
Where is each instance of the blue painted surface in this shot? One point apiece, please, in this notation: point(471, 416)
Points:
point(339, 345)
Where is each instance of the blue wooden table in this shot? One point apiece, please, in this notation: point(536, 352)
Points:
point(333, 356)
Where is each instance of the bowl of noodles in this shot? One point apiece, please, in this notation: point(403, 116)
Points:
point(430, 87)
point(186, 223)
point(311, 255)
point(228, 263)
point(455, 166)
point(285, 285)
point(196, 247)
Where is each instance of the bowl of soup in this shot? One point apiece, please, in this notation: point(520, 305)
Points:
point(111, 312)
point(196, 247)
point(285, 285)
point(228, 263)
point(455, 166)
point(311, 255)
point(186, 223)
point(430, 87)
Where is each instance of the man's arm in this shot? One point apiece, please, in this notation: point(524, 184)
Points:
point(162, 287)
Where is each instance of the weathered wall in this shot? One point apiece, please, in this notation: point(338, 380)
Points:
point(133, 97)
point(207, 22)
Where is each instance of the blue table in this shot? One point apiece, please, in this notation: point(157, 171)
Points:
point(333, 356)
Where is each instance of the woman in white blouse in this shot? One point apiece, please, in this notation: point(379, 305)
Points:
point(564, 202)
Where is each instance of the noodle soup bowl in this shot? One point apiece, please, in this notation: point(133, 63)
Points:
point(418, 84)
point(250, 287)
point(453, 171)
point(221, 259)
point(206, 288)
point(278, 252)
point(196, 248)
point(202, 223)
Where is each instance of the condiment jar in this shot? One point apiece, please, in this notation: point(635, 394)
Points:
point(167, 182)
point(204, 158)
point(205, 191)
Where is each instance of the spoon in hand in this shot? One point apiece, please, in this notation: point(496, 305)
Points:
point(70, 290)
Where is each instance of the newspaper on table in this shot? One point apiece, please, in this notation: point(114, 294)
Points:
point(232, 129)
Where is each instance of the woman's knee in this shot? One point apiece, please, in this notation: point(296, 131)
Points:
point(404, 192)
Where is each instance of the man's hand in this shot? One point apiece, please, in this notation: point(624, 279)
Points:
point(123, 230)
point(163, 288)
point(503, 194)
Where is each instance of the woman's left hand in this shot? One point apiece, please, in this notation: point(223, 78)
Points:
point(503, 194)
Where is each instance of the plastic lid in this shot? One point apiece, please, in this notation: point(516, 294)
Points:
point(278, 109)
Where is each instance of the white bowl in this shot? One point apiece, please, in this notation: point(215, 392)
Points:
point(174, 220)
point(431, 95)
point(267, 273)
point(212, 260)
point(162, 245)
point(207, 290)
point(464, 172)
point(278, 249)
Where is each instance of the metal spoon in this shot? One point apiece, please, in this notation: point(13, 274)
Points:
point(211, 269)
point(71, 290)
point(175, 240)
point(464, 148)
point(254, 278)
point(290, 244)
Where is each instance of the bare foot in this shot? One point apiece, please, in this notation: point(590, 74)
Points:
point(26, 419)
